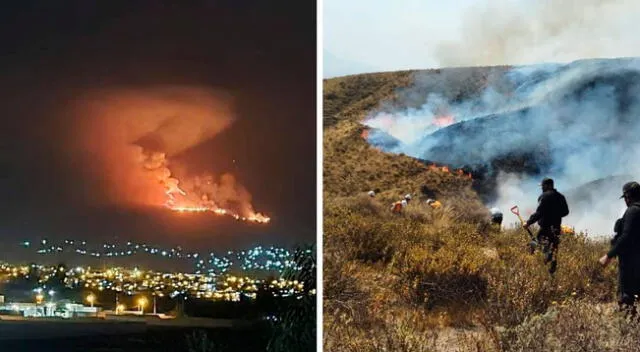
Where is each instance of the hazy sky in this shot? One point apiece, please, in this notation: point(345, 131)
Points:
point(377, 35)
point(387, 35)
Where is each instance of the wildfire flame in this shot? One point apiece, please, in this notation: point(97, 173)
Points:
point(198, 201)
point(258, 218)
point(171, 204)
point(131, 136)
point(445, 169)
point(365, 134)
point(443, 121)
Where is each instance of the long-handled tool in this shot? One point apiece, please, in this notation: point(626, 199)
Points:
point(533, 242)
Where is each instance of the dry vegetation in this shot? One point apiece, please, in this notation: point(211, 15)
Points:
point(442, 279)
point(352, 166)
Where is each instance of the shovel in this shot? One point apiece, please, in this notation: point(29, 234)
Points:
point(533, 243)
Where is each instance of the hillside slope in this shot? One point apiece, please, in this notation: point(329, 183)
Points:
point(507, 126)
point(431, 280)
point(352, 166)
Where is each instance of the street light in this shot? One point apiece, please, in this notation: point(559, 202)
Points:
point(141, 303)
point(39, 298)
point(91, 298)
point(154, 303)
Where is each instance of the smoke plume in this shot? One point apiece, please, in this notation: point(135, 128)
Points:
point(131, 138)
point(505, 32)
point(576, 123)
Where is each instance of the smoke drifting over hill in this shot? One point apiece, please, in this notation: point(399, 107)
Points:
point(575, 123)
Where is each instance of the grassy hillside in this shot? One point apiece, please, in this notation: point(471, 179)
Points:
point(351, 166)
point(441, 279)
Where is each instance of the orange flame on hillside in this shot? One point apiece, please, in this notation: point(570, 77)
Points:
point(180, 207)
point(445, 169)
point(365, 133)
point(443, 121)
point(257, 217)
point(184, 202)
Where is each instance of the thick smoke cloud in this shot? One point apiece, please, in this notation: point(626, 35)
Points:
point(577, 122)
point(131, 139)
point(506, 32)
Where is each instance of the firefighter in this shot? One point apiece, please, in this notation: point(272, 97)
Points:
point(552, 207)
point(626, 246)
point(371, 194)
point(434, 203)
point(401, 204)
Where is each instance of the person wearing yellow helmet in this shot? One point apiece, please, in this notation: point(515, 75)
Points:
point(434, 203)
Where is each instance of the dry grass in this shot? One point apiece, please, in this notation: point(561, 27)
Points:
point(445, 272)
point(399, 282)
point(574, 325)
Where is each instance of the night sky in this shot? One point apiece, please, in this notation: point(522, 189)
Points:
point(262, 53)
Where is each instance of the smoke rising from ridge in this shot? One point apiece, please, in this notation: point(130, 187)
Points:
point(503, 32)
point(132, 138)
point(575, 123)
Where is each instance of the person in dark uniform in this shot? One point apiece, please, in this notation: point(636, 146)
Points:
point(552, 207)
point(626, 246)
point(496, 216)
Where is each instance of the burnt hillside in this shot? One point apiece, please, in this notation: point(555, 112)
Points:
point(523, 120)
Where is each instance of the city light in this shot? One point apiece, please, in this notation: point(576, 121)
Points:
point(91, 298)
point(258, 258)
point(141, 303)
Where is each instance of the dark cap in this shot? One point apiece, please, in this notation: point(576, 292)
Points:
point(630, 187)
point(546, 181)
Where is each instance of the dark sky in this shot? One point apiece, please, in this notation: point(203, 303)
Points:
point(260, 52)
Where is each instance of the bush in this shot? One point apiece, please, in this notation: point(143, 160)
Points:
point(573, 325)
point(295, 325)
point(446, 271)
